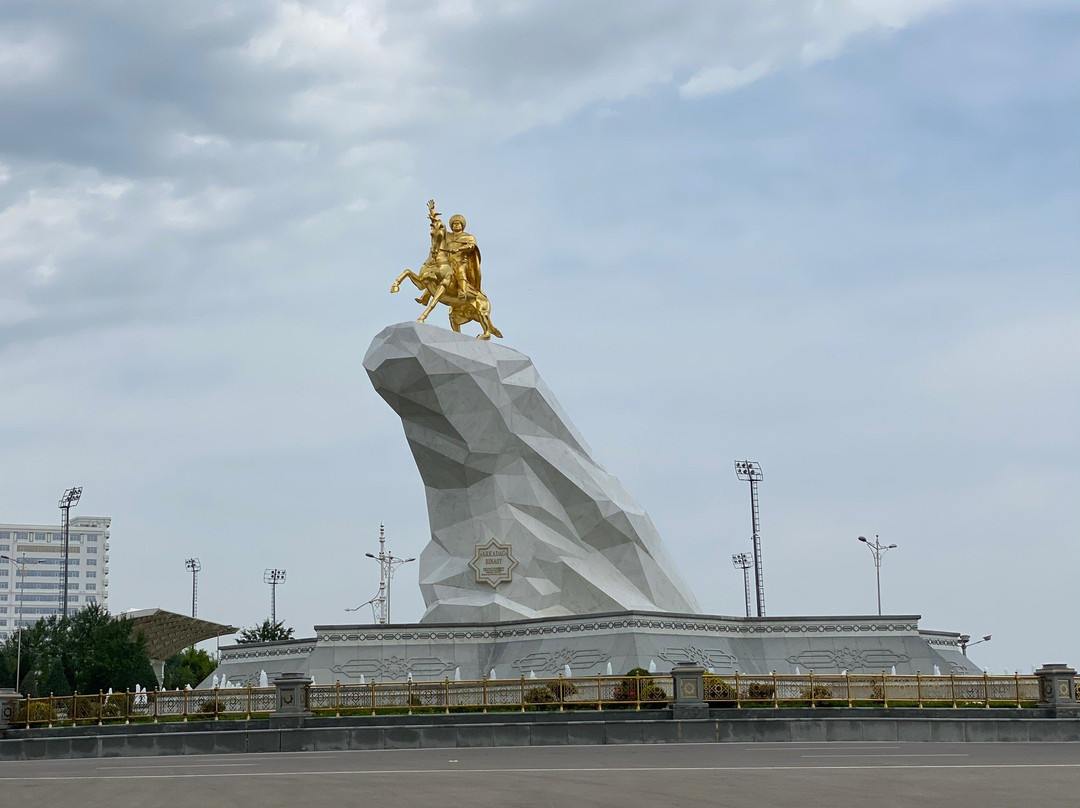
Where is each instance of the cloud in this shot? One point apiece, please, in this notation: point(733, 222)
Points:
point(129, 131)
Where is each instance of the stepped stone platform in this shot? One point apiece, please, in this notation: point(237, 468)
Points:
point(588, 644)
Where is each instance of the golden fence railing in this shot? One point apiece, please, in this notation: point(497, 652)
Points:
point(747, 691)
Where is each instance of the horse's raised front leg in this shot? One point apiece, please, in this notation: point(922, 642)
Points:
point(408, 273)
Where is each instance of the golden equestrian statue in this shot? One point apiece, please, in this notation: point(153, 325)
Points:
point(451, 275)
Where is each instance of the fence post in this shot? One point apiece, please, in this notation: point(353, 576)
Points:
point(918, 685)
point(373, 697)
point(408, 696)
point(127, 707)
point(775, 690)
point(813, 702)
point(952, 687)
point(337, 699)
point(9, 698)
point(689, 680)
point(446, 691)
point(847, 677)
point(738, 692)
point(599, 692)
point(1016, 678)
point(483, 692)
point(1057, 686)
point(884, 690)
point(291, 688)
point(101, 706)
point(986, 688)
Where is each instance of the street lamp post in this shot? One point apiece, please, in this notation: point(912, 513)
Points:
point(878, 549)
point(21, 564)
point(965, 642)
point(388, 563)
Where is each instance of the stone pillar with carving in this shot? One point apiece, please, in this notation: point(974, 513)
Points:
point(689, 691)
point(9, 700)
point(291, 692)
point(1057, 686)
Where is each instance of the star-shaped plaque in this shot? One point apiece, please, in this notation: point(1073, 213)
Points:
point(493, 563)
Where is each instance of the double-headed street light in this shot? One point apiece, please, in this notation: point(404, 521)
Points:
point(387, 564)
point(21, 564)
point(879, 550)
point(965, 641)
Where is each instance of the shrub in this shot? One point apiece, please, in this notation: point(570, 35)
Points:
point(760, 691)
point(40, 713)
point(212, 706)
point(718, 692)
point(541, 696)
point(639, 686)
point(819, 693)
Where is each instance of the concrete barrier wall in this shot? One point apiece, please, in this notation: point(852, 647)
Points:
point(534, 729)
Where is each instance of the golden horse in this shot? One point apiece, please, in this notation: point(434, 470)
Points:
point(451, 278)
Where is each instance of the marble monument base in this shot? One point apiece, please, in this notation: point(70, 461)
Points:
point(599, 643)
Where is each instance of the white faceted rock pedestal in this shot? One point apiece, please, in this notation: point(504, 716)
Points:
point(500, 460)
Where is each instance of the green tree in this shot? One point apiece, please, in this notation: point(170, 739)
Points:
point(87, 651)
point(266, 632)
point(189, 667)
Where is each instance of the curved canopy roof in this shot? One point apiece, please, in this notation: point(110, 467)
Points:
point(169, 633)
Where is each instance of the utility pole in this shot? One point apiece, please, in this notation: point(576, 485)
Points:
point(68, 501)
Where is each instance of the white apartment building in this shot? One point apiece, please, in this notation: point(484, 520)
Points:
point(38, 591)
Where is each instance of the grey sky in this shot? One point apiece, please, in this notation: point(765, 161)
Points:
point(837, 238)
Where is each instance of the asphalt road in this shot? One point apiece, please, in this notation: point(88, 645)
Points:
point(836, 775)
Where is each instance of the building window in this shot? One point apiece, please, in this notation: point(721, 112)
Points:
point(22, 535)
point(91, 550)
point(91, 574)
point(91, 587)
point(92, 536)
point(5, 548)
point(91, 562)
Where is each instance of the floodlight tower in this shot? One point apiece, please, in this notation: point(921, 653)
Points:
point(194, 567)
point(388, 563)
point(742, 562)
point(751, 471)
point(68, 501)
point(273, 577)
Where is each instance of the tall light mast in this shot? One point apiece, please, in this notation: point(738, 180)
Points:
point(751, 471)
